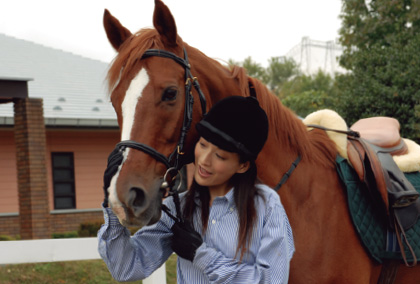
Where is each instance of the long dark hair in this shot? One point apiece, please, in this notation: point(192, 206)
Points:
point(244, 193)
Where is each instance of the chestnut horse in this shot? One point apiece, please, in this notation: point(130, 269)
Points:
point(147, 84)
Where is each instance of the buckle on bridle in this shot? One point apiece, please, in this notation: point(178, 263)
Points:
point(179, 151)
point(168, 182)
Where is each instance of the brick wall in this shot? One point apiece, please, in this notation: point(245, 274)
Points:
point(31, 169)
point(59, 222)
point(67, 222)
point(10, 225)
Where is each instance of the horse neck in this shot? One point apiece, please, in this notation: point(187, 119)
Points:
point(288, 139)
point(288, 136)
point(216, 81)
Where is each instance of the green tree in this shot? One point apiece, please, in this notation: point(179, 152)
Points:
point(305, 94)
point(279, 71)
point(253, 68)
point(381, 41)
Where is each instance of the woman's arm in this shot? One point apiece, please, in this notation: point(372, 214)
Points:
point(133, 258)
point(272, 260)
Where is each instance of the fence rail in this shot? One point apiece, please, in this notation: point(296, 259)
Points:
point(53, 250)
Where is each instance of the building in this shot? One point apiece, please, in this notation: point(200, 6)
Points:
point(313, 55)
point(68, 92)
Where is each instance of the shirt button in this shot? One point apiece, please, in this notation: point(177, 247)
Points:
point(231, 209)
point(213, 221)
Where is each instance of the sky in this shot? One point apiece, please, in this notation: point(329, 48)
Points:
point(222, 29)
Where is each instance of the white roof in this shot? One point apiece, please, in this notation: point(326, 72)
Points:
point(73, 88)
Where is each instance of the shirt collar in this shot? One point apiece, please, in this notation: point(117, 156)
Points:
point(229, 196)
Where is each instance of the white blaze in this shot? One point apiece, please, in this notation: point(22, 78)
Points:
point(129, 105)
point(130, 102)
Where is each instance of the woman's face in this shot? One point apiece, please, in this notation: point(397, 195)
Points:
point(214, 167)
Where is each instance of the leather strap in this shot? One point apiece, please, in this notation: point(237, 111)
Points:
point(348, 132)
point(286, 176)
point(147, 149)
point(399, 230)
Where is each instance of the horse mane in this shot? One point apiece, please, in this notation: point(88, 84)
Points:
point(288, 128)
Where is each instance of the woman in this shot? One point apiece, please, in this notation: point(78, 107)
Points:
point(235, 230)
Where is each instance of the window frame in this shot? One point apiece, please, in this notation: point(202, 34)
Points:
point(70, 181)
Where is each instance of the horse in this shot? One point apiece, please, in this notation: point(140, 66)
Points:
point(150, 83)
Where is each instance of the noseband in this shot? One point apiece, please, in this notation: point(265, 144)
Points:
point(173, 161)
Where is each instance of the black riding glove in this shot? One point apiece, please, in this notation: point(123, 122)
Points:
point(185, 240)
point(114, 161)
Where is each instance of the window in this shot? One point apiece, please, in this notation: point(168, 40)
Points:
point(63, 180)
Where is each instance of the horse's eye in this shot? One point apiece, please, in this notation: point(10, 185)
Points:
point(169, 94)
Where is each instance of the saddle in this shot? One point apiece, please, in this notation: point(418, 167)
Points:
point(371, 157)
point(370, 147)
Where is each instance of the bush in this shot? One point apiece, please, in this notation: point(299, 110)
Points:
point(65, 235)
point(89, 229)
point(9, 238)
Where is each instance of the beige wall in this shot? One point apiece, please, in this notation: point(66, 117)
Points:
point(91, 149)
point(8, 172)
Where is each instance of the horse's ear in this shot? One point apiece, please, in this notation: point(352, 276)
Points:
point(164, 23)
point(115, 32)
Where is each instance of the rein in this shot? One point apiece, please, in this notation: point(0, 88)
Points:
point(286, 175)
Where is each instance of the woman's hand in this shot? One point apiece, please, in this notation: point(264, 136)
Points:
point(185, 240)
point(114, 161)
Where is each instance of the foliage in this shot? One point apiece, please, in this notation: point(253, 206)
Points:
point(9, 238)
point(83, 272)
point(381, 41)
point(279, 70)
point(89, 229)
point(66, 235)
point(308, 93)
point(302, 93)
point(253, 68)
point(307, 102)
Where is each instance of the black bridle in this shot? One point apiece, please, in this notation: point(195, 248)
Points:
point(173, 161)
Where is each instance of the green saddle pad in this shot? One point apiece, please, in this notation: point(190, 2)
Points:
point(368, 222)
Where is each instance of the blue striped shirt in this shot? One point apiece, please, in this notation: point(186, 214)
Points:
point(135, 257)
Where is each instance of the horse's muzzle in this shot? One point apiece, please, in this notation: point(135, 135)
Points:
point(141, 209)
point(137, 200)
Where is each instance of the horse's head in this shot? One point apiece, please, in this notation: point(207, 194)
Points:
point(155, 110)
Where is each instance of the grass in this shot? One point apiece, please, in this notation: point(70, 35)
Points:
point(71, 272)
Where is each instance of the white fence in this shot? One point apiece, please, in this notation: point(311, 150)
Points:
point(52, 250)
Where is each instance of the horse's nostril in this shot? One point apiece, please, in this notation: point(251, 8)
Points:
point(138, 197)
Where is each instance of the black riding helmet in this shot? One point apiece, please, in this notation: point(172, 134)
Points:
point(236, 124)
